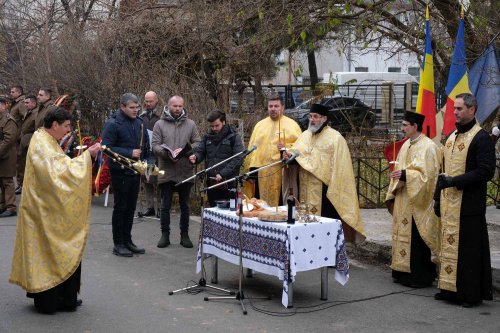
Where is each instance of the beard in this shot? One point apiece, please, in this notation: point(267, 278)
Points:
point(314, 128)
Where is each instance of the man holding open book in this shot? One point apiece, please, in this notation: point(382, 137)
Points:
point(173, 136)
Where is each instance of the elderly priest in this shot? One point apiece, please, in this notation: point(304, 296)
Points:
point(326, 176)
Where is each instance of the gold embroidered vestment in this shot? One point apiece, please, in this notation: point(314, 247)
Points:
point(455, 155)
point(414, 198)
point(265, 136)
point(53, 218)
point(325, 159)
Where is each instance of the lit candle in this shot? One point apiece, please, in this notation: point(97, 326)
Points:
point(79, 137)
point(394, 148)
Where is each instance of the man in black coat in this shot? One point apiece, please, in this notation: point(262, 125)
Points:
point(122, 135)
point(469, 159)
point(150, 116)
point(220, 143)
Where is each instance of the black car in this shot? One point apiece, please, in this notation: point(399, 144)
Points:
point(344, 113)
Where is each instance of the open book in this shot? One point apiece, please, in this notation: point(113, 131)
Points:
point(185, 152)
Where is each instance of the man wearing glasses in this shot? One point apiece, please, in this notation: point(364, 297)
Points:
point(326, 176)
point(415, 230)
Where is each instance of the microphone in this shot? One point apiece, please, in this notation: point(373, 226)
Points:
point(292, 158)
point(247, 152)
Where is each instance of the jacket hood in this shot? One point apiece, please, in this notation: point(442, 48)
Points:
point(168, 116)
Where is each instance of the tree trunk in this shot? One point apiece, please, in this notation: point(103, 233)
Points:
point(259, 96)
point(313, 69)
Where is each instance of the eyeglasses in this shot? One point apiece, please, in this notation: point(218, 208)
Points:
point(315, 116)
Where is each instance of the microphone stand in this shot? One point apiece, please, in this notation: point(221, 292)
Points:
point(202, 172)
point(202, 283)
point(240, 296)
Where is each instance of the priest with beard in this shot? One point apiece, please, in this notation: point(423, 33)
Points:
point(54, 215)
point(326, 176)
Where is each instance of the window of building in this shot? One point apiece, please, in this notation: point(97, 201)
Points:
point(361, 69)
point(394, 69)
point(414, 71)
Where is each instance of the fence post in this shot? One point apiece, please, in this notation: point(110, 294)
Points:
point(408, 95)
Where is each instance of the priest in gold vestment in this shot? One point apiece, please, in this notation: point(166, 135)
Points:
point(469, 159)
point(271, 135)
point(53, 218)
point(326, 175)
point(415, 229)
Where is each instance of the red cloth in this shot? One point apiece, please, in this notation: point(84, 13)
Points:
point(389, 151)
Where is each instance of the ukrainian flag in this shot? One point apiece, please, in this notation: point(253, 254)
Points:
point(458, 79)
point(426, 103)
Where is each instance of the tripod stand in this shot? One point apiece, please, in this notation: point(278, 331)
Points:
point(202, 282)
point(240, 296)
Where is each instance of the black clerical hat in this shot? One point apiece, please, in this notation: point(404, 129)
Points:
point(319, 109)
point(414, 118)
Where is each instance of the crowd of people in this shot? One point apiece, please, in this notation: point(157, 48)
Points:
point(437, 196)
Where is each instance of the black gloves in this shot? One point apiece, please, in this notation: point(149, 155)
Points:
point(444, 181)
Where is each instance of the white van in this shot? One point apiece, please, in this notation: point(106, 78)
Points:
point(341, 78)
point(379, 90)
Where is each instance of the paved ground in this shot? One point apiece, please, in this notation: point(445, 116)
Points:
point(378, 224)
point(131, 295)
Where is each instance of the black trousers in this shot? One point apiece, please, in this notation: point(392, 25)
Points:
point(167, 192)
point(62, 297)
point(125, 191)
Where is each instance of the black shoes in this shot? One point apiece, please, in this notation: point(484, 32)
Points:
point(185, 241)
point(164, 240)
point(134, 249)
point(8, 213)
point(441, 297)
point(149, 212)
point(18, 190)
point(121, 251)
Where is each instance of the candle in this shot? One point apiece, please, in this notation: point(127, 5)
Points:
point(142, 134)
point(79, 137)
point(394, 149)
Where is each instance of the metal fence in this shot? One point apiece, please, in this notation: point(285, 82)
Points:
point(387, 100)
point(372, 180)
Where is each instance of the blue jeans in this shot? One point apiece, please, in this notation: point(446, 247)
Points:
point(167, 191)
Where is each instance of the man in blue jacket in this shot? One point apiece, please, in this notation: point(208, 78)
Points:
point(124, 134)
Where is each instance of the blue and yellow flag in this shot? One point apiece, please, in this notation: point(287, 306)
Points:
point(458, 79)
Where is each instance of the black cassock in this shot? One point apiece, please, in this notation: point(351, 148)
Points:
point(474, 264)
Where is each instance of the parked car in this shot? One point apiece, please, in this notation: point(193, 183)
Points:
point(344, 113)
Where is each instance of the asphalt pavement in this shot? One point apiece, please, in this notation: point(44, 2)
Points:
point(132, 294)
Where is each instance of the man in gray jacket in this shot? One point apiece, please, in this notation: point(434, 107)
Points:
point(173, 134)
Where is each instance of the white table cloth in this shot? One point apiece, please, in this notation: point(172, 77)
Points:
point(278, 249)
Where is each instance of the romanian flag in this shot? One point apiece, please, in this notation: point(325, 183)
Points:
point(426, 103)
point(458, 79)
